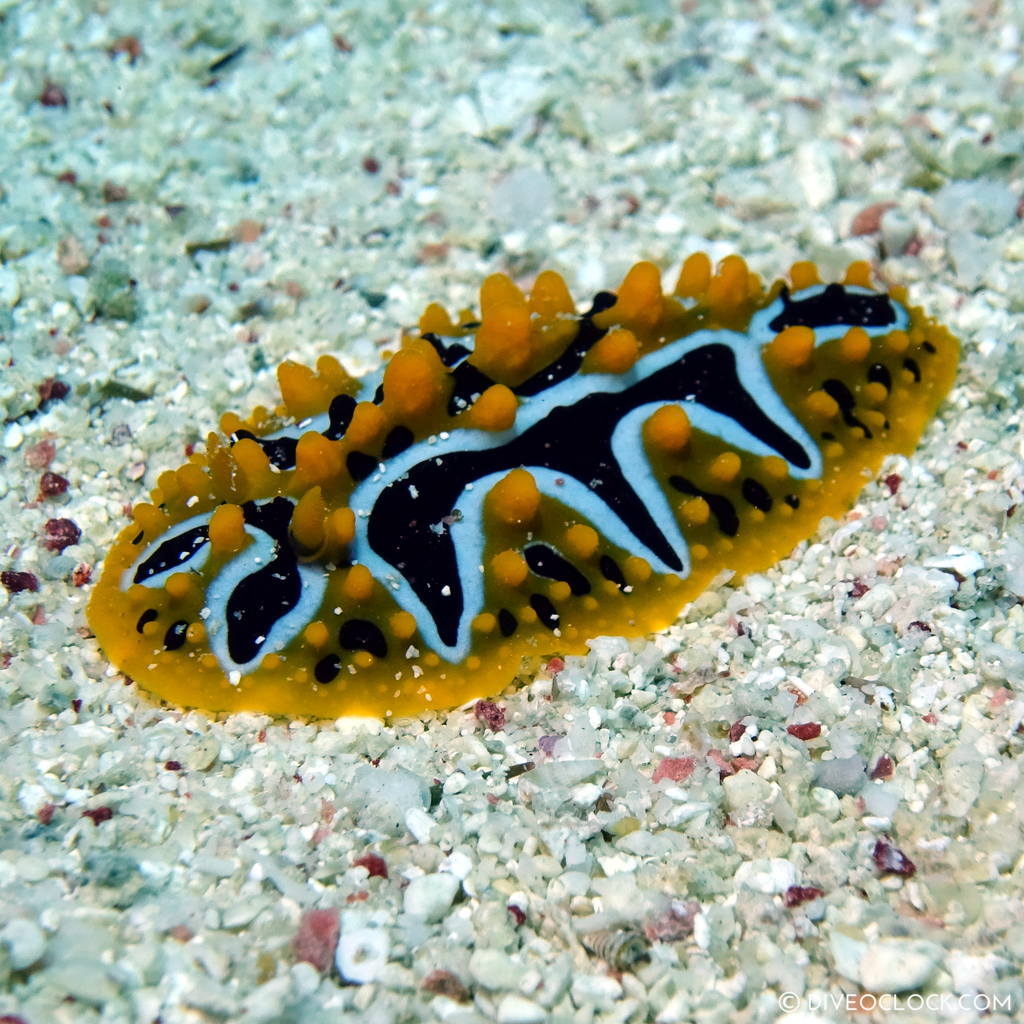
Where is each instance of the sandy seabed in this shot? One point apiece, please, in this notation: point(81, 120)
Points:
point(191, 193)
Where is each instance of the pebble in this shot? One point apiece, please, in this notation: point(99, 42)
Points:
point(10, 287)
point(768, 875)
point(430, 896)
point(25, 941)
point(522, 197)
point(744, 789)
point(362, 954)
point(599, 990)
point(515, 1009)
point(382, 797)
point(816, 173)
point(977, 207)
point(885, 965)
point(495, 970)
point(13, 436)
point(83, 979)
point(843, 775)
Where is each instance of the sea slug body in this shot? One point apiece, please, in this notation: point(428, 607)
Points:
point(512, 484)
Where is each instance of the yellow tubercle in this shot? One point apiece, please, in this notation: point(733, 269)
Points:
point(639, 301)
point(503, 350)
point(358, 584)
point(859, 274)
point(341, 527)
point(307, 524)
point(636, 570)
point(515, 500)
point(316, 634)
point(227, 529)
point(304, 393)
point(550, 298)
point(728, 290)
point(179, 586)
point(367, 426)
point(821, 406)
point(696, 511)
point(774, 467)
point(402, 625)
point(668, 429)
point(616, 352)
point(793, 347)
point(485, 622)
point(414, 382)
point(509, 568)
point(435, 320)
point(495, 409)
point(149, 518)
point(252, 470)
point(804, 274)
point(695, 276)
point(855, 345)
point(230, 422)
point(333, 375)
point(317, 460)
point(897, 342)
point(581, 541)
point(725, 468)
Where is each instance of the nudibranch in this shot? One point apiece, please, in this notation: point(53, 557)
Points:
point(511, 484)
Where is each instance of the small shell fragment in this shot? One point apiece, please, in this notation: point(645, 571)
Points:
point(621, 948)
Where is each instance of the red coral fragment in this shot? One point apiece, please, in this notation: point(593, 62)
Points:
point(52, 390)
point(869, 220)
point(517, 913)
point(61, 534)
point(797, 894)
point(52, 484)
point(97, 815)
point(172, 766)
point(736, 731)
point(40, 455)
point(15, 581)
point(375, 865)
point(317, 938)
point(45, 813)
point(490, 715)
point(891, 860)
point(893, 481)
point(444, 983)
point(126, 44)
point(721, 762)
point(805, 730)
point(674, 924)
point(676, 769)
point(546, 745)
point(883, 768)
point(81, 574)
point(53, 95)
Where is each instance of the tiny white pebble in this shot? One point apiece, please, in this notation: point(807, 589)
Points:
point(362, 954)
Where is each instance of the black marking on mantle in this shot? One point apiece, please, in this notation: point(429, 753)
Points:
point(832, 306)
point(573, 441)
